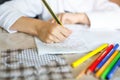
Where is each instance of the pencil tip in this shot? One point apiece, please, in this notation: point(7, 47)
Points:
point(80, 74)
point(88, 72)
point(96, 69)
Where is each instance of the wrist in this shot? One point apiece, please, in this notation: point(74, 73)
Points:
point(26, 25)
point(82, 18)
point(39, 26)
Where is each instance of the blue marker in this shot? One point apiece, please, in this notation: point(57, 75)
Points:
point(107, 57)
point(111, 73)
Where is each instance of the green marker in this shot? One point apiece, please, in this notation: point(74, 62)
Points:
point(110, 66)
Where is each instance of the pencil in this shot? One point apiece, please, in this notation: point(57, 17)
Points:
point(111, 73)
point(92, 67)
point(84, 71)
point(107, 57)
point(101, 70)
point(51, 12)
point(87, 56)
point(110, 66)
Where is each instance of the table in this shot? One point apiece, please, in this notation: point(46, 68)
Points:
point(19, 41)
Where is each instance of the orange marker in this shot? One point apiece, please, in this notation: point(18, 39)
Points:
point(81, 74)
point(100, 71)
point(84, 71)
point(99, 59)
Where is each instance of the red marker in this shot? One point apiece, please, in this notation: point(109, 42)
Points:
point(99, 59)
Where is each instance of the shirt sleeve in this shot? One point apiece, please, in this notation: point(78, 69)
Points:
point(12, 10)
point(105, 15)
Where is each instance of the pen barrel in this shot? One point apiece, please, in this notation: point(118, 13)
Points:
point(110, 66)
point(51, 12)
point(102, 69)
point(114, 69)
point(100, 58)
point(107, 56)
point(87, 56)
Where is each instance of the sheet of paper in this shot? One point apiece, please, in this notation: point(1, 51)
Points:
point(82, 40)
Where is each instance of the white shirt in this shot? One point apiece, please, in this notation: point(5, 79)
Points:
point(101, 13)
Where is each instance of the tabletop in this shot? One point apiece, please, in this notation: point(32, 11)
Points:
point(20, 41)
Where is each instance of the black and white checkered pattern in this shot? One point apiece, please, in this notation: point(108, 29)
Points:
point(28, 65)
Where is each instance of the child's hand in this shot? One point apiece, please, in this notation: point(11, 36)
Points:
point(45, 31)
point(72, 18)
point(65, 18)
point(52, 33)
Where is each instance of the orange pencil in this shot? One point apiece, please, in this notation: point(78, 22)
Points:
point(101, 70)
point(81, 74)
point(84, 71)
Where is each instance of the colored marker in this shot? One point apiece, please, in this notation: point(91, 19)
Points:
point(87, 56)
point(101, 70)
point(110, 66)
point(114, 69)
point(99, 59)
point(107, 57)
point(81, 74)
point(84, 70)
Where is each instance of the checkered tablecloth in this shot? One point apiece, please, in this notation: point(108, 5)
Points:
point(28, 65)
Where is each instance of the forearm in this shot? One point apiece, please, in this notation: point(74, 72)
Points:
point(116, 1)
point(27, 25)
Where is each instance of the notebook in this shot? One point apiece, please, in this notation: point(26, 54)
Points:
point(73, 44)
point(82, 40)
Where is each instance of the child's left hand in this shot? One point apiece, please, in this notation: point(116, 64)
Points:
point(66, 18)
point(71, 18)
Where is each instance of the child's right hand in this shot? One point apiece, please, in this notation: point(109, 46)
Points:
point(52, 33)
point(45, 31)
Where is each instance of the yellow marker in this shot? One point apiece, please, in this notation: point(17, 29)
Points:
point(101, 70)
point(87, 56)
point(84, 71)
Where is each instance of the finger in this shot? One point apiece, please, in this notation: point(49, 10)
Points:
point(66, 32)
point(48, 41)
point(57, 33)
point(54, 21)
point(60, 17)
point(54, 38)
point(60, 37)
point(51, 20)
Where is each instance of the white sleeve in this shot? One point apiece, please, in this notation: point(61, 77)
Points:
point(105, 16)
point(13, 10)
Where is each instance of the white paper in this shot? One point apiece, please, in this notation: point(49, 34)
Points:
point(82, 40)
